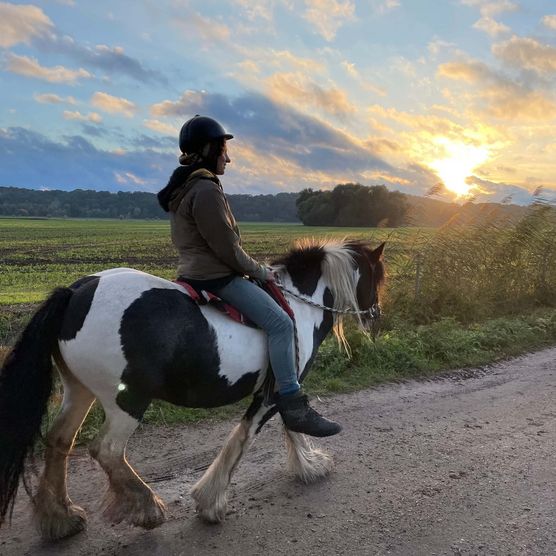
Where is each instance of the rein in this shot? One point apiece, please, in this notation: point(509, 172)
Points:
point(373, 312)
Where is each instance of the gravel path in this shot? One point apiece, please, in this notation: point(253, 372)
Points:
point(462, 464)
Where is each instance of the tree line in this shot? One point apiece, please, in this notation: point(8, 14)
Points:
point(85, 203)
point(345, 205)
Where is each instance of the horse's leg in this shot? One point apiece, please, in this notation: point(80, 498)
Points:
point(210, 491)
point(54, 512)
point(305, 461)
point(128, 497)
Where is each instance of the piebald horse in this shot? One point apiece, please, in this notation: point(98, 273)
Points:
point(125, 337)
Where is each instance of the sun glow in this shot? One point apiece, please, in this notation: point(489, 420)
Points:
point(458, 165)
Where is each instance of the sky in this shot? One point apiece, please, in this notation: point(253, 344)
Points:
point(454, 98)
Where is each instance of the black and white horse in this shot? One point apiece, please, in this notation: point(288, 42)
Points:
point(125, 337)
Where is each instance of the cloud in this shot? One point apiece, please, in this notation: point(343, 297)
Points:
point(148, 142)
point(350, 69)
point(94, 130)
point(27, 23)
point(289, 134)
point(489, 8)
point(255, 10)
point(20, 24)
point(279, 148)
point(471, 72)
point(527, 53)
point(113, 105)
point(111, 59)
point(249, 67)
point(491, 191)
point(439, 46)
point(431, 124)
point(490, 26)
point(275, 148)
point(385, 6)
point(286, 59)
point(51, 98)
point(503, 98)
point(298, 89)
point(90, 117)
point(549, 21)
point(75, 162)
point(161, 127)
point(189, 102)
point(30, 67)
point(327, 16)
point(209, 31)
point(266, 60)
point(124, 178)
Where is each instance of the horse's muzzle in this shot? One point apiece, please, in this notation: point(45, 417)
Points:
point(370, 320)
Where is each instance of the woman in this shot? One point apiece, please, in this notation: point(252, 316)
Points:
point(207, 238)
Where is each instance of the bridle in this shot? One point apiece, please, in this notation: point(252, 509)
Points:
point(373, 313)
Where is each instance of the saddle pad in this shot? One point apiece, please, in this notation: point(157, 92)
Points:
point(204, 297)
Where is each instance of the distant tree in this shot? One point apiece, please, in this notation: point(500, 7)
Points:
point(352, 204)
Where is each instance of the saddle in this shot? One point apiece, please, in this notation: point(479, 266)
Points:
point(203, 297)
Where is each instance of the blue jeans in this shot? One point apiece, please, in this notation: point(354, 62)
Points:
point(259, 307)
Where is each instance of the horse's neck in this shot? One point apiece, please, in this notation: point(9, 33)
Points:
point(313, 324)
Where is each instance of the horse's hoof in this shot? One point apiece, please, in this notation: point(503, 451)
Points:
point(212, 515)
point(64, 522)
point(313, 467)
point(152, 516)
point(210, 504)
point(142, 511)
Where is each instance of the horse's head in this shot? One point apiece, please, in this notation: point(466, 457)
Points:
point(369, 276)
point(351, 272)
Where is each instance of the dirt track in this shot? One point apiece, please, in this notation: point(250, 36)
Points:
point(459, 465)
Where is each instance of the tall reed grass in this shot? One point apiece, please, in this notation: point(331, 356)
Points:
point(472, 272)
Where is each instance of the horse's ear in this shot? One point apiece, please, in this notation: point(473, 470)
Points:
point(376, 255)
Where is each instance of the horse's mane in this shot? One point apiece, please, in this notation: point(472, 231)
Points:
point(335, 261)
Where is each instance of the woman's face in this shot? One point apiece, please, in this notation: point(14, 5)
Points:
point(222, 160)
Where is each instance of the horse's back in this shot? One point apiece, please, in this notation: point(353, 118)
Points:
point(128, 327)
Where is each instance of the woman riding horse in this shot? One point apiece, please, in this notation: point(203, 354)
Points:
point(211, 258)
point(125, 338)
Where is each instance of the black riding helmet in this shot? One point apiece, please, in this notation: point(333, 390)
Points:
point(198, 131)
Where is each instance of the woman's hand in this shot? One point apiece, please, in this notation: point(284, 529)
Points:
point(270, 276)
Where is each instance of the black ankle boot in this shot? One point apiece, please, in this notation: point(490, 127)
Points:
point(299, 416)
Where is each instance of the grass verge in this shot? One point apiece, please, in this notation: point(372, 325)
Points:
point(399, 353)
point(402, 353)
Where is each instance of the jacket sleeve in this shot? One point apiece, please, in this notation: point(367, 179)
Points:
point(210, 211)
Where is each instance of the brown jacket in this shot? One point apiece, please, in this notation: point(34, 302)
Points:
point(205, 232)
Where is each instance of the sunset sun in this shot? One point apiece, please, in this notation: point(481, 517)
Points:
point(458, 164)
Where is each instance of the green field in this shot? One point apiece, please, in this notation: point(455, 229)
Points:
point(39, 254)
point(465, 273)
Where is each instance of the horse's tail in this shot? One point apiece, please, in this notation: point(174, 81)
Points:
point(25, 386)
